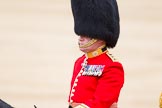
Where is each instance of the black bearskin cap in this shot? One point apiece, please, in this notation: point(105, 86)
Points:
point(97, 19)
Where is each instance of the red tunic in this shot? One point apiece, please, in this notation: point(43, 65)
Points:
point(96, 83)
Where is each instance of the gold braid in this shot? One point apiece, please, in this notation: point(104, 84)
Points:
point(92, 41)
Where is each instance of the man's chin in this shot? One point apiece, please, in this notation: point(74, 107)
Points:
point(83, 50)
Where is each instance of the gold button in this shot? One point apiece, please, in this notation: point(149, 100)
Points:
point(73, 90)
point(75, 84)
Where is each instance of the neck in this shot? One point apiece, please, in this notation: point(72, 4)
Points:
point(97, 52)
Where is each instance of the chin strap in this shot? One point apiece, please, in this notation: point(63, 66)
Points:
point(92, 41)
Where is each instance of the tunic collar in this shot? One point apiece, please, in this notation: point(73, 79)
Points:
point(97, 52)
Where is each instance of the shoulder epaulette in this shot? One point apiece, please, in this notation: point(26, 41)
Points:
point(111, 57)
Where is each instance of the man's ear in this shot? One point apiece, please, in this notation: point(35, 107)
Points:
point(101, 42)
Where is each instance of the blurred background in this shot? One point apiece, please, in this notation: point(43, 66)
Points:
point(38, 48)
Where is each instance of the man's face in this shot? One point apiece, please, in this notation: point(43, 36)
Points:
point(84, 40)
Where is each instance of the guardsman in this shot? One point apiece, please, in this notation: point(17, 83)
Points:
point(97, 76)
